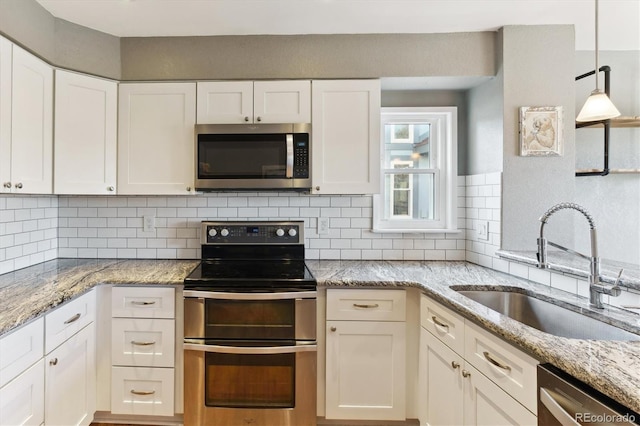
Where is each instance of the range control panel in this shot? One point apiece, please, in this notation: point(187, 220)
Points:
point(252, 233)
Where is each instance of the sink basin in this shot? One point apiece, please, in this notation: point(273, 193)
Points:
point(546, 316)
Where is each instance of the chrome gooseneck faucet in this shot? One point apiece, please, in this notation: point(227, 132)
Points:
point(596, 288)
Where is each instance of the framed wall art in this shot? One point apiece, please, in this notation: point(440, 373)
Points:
point(541, 131)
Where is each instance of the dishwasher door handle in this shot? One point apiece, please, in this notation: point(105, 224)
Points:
point(556, 410)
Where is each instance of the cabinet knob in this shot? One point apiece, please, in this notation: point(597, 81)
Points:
point(18, 185)
point(258, 119)
point(53, 361)
point(465, 373)
point(333, 329)
point(188, 189)
point(246, 119)
point(455, 364)
point(7, 184)
point(111, 188)
point(317, 188)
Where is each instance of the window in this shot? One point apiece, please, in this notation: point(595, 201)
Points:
point(419, 170)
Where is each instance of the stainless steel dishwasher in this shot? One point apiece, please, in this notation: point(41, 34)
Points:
point(564, 400)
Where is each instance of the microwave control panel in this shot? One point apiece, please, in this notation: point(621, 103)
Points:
point(301, 157)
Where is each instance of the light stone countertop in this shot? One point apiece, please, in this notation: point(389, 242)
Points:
point(610, 367)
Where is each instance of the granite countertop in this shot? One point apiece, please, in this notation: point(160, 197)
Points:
point(610, 367)
point(28, 293)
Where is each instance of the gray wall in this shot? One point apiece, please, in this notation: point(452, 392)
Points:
point(538, 65)
point(613, 200)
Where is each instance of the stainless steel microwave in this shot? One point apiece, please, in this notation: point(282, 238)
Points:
point(253, 157)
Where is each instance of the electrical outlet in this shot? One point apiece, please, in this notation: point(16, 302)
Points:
point(323, 225)
point(482, 230)
point(148, 223)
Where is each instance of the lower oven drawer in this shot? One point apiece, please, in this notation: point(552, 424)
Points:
point(142, 391)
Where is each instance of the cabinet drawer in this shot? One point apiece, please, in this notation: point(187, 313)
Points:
point(508, 367)
point(142, 342)
point(68, 319)
point(443, 323)
point(366, 305)
point(22, 400)
point(147, 391)
point(20, 349)
point(143, 302)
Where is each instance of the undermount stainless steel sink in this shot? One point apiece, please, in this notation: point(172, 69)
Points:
point(546, 316)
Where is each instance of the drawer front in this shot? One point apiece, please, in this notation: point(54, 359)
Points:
point(20, 349)
point(143, 302)
point(68, 319)
point(508, 367)
point(22, 400)
point(143, 342)
point(144, 391)
point(443, 323)
point(366, 305)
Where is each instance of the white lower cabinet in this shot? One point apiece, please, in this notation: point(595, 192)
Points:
point(365, 357)
point(452, 388)
point(70, 378)
point(22, 399)
point(142, 391)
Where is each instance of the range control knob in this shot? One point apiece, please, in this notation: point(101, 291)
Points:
point(293, 232)
point(280, 232)
point(224, 232)
point(213, 232)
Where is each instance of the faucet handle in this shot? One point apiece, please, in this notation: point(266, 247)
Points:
point(618, 278)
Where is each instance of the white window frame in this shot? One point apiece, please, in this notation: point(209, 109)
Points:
point(393, 189)
point(444, 142)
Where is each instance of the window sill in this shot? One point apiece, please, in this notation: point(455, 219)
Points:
point(417, 231)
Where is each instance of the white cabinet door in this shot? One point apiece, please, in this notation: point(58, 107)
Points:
point(225, 102)
point(440, 381)
point(156, 138)
point(22, 399)
point(485, 404)
point(19, 349)
point(70, 378)
point(365, 370)
point(85, 134)
point(282, 101)
point(31, 124)
point(6, 48)
point(346, 137)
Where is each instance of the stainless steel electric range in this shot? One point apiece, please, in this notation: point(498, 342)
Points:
point(250, 328)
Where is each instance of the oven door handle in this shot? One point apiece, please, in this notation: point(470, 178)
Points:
point(250, 296)
point(250, 350)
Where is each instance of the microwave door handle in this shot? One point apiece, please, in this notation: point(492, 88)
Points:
point(289, 171)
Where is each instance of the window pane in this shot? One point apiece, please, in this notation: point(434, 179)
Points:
point(408, 144)
point(409, 196)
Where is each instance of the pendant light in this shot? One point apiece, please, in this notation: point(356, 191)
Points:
point(598, 105)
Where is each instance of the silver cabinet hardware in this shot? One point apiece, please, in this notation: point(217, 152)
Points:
point(333, 329)
point(372, 306)
point(74, 318)
point(465, 373)
point(455, 364)
point(7, 184)
point(317, 188)
point(142, 302)
point(111, 188)
point(259, 119)
point(437, 322)
point(488, 357)
point(188, 189)
point(53, 361)
point(18, 185)
point(135, 392)
point(246, 119)
point(133, 342)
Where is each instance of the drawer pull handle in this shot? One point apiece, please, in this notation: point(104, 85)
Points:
point(133, 342)
point(74, 318)
point(441, 324)
point(455, 364)
point(53, 361)
point(358, 305)
point(488, 357)
point(465, 373)
point(142, 302)
point(135, 392)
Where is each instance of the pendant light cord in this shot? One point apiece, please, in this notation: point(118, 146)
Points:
point(597, 61)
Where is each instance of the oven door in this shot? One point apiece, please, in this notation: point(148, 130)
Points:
point(258, 385)
point(250, 316)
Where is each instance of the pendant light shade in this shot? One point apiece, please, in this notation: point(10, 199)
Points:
point(598, 105)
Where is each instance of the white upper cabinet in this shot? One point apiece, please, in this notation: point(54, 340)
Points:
point(346, 137)
point(156, 138)
point(85, 134)
point(26, 122)
point(242, 102)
